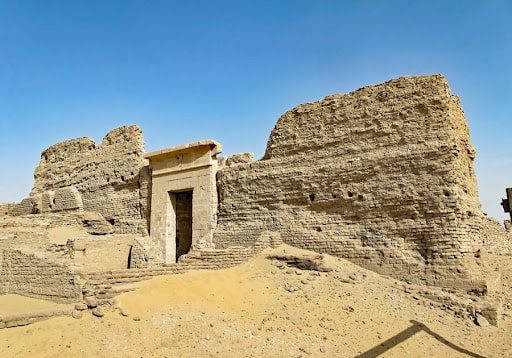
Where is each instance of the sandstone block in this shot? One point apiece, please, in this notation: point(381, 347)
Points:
point(96, 224)
point(97, 312)
point(91, 301)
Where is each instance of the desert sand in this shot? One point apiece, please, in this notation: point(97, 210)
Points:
point(264, 308)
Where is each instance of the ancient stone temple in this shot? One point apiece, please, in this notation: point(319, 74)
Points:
point(382, 176)
point(184, 197)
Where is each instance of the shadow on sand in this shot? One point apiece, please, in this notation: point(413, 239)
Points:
point(408, 333)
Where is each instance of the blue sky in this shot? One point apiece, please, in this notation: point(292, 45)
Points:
point(189, 70)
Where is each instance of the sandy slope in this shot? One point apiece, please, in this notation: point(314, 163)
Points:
point(261, 310)
point(14, 304)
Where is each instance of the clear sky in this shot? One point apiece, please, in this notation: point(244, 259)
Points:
point(189, 70)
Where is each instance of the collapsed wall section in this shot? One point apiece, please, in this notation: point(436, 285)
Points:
point(111, 179)
point(382, 176)
point(26, 274)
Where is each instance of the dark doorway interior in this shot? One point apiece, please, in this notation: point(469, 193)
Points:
point(183, 223)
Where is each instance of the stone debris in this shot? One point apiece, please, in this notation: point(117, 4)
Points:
point(91, 301)
point(290, 288)
point(309, 263)
point(96, 224)
point(97, 312)
point(344, 279)
point(81, 306)
point(481, 320)
point(123, 312)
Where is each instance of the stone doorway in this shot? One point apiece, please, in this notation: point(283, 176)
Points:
point(183, 180)
point(183, 210)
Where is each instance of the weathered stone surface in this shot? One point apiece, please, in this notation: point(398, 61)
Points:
point(382, 176)
point(189, 170)
point(96, 224)
point(481, 320)
point(91, 301)
point(240, 158)
point(145, 252)
point(31, 275)
point(67, 198)
point(110, 178)
point(494, 238)
point(7, 209)
point(97, 312)
point(27, 206)
point(303, 262)
point(62, 199)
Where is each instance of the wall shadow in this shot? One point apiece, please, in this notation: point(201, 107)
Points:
point(408, 333)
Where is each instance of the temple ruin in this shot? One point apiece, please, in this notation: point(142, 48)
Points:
point(382, 176)
point(183, 197)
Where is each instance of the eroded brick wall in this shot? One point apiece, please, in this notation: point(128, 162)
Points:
point(29, 275)
point(495, 239)
point(111, 178)
point(7, 209)
point(382, 176)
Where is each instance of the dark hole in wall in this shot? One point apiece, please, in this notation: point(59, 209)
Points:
point(350, 194)
point(312, 197)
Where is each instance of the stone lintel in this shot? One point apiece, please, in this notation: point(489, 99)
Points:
point(209, 144)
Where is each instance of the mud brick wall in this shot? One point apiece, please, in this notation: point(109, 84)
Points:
point(495, 239)
point(383, 176)
point(7, 209)
point(26, 274)
point(26, 207)
point(67, 198)
point(110, 178)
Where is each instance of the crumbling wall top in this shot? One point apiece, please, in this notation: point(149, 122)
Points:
point(68, 148)
point(297, 128)
point(123, 135)
point(108, 178)
point(126, 135)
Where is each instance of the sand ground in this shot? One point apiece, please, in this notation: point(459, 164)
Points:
point(259, 309)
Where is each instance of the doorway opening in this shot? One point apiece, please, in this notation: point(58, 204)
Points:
point(183, 222)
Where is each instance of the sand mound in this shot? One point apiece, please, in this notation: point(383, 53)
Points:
point(272, 306)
